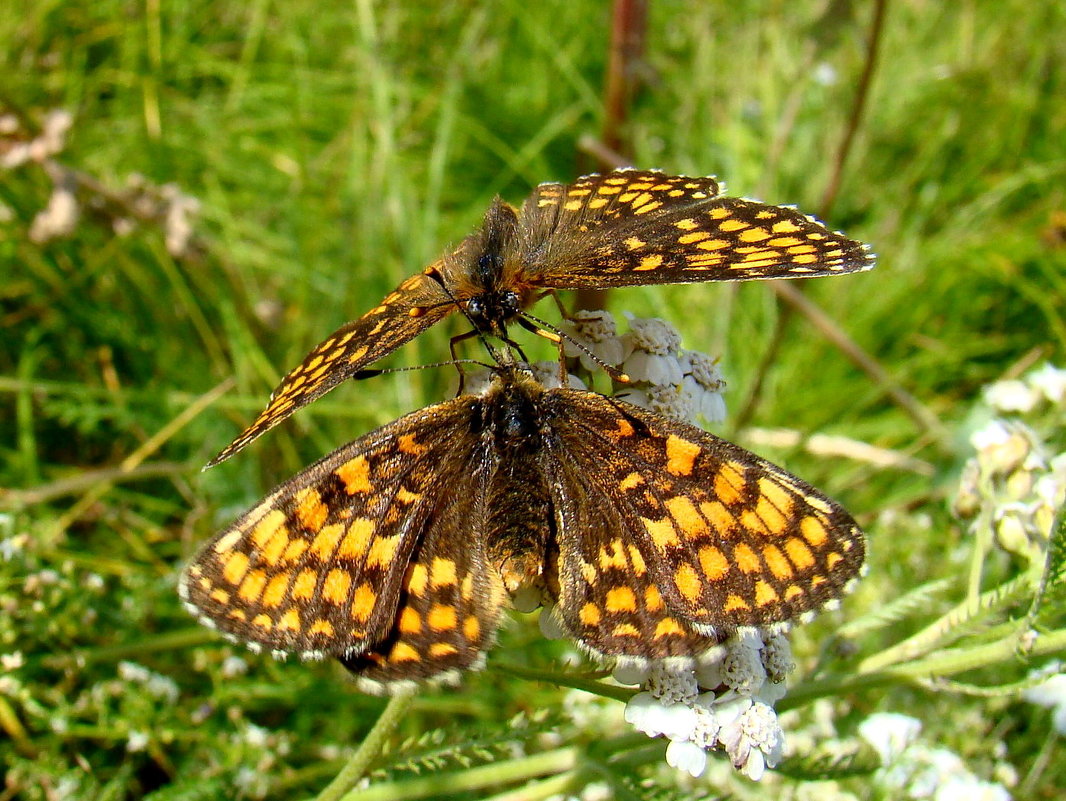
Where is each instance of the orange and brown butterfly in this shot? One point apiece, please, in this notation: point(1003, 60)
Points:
point(623, 228)
point(397, 553)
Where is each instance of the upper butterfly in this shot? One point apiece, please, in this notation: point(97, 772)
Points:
point(625, 228)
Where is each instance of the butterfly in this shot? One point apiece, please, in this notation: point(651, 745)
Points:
point(624, 228)
point(398, 552)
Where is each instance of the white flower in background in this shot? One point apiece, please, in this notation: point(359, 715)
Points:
point(59, 217)
point(912, 769)
point(825, 74)
point(597, 331)
point(1050, 381)
point(1011, 396)
point(136, 741)
point(1051, 694)
point(49, 142)
point(890, 734)
point(654, 347)
point(1013, 485)
point(155, 684)
point(178, 211)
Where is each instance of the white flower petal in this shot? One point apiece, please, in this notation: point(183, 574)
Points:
point(890, 734)
point(687, 756)
point(1050, 381)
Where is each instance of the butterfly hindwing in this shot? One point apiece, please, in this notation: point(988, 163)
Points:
point(607, 598)
point(728, 538)
point(450, 606)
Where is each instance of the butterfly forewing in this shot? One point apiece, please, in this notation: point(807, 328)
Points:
point(609, 200)
point(318, 567)
point(683, 241)
point(411, 308)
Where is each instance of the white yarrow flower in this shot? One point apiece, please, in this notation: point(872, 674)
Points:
point(597, 331)
point(687, 756)
point(753, 740)
point(550, 628)
point(703, 385)
point(1050, 381)
point(1012, 396)
point(655, 346)
point(1052, 695)
point(890, 734)
point(547, 373)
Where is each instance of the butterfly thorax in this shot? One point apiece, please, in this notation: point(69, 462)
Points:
point(493, 295)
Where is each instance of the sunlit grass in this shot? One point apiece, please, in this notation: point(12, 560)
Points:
point(336, 149)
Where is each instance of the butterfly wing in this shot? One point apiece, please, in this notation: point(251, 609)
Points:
point(450, 605)
point(607, 598)
point(728, 538)
point(331, 562)
point(414, 306)
point(632, 227)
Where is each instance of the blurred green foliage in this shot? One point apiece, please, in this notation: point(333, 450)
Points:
point(335, 148)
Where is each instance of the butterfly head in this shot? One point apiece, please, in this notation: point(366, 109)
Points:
point(492, 298)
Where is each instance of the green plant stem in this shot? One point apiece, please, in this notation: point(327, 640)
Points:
point(945, 663)
point(171, 641)
point(12, 726)
point(593, 686)
point(512, 770)
point(935, 634)
point(370, 748)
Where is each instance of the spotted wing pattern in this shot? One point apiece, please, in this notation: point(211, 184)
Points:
point(411, 308)
point(630, 227)
point(724, 537)
point(623, 228)
point(605, 595)
point(396, 553)
point(331, 560)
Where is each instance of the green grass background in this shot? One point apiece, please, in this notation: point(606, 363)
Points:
point(337, 148)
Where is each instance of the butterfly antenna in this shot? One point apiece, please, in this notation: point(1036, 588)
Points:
point(360, 375)
point(557, 335)
point(475, 331)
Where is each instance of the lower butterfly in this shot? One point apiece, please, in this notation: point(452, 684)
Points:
point(398, 552)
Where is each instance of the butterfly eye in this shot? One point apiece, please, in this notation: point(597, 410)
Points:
point(475, 307)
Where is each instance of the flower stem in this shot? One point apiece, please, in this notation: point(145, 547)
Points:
point(370, 748)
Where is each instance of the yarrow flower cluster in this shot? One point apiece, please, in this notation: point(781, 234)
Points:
point(1016, 483)
point(683, 384)
point(913, 769)
point(1051, 694)
point(725, 701)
